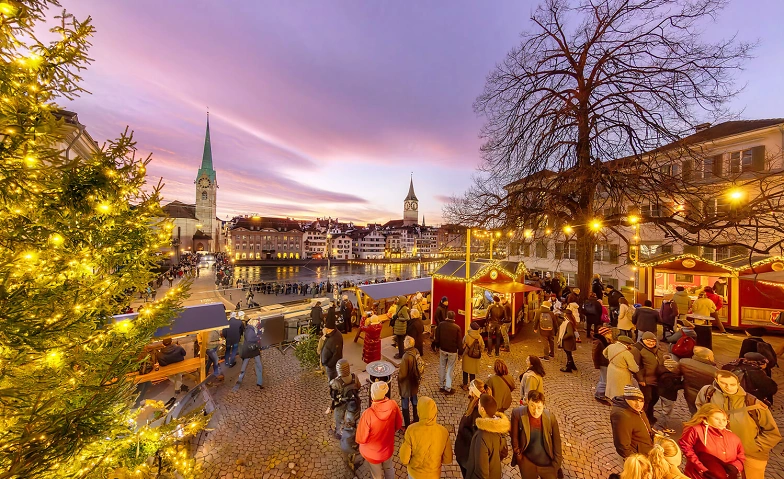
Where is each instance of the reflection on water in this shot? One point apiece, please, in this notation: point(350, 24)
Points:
point(342, 272)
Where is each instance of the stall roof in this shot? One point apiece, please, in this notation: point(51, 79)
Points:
point(508, 287)
point(191, 320)
point(770, 277)
point(396, 288)
point(735, 263)
point(456, 268)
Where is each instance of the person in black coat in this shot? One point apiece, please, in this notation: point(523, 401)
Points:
point(441, 310)
point(416, 329)
point(232, 334)
point(332, 314)
point(316, 317)
point(332, 351)
point(751, 367)
point(597, 287)
point(592, 308)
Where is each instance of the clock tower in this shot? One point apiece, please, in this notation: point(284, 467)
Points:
point(206, 192)
point(411, 206)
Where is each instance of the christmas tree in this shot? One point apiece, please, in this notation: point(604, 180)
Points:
point(79, 232)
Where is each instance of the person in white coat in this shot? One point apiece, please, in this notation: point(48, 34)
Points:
point(625, 325)
point(622, 365)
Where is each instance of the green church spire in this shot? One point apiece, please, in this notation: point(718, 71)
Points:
point(206, 159)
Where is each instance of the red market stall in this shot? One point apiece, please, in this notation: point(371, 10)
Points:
point(747, 302)
point(470, 287)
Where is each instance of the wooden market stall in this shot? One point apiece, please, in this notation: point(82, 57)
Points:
point(470, 287)
point(748, 301)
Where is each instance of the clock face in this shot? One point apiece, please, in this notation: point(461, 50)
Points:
point(204, 183)
point(410, 205)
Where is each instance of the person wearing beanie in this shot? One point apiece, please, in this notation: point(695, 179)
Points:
point(600, 343)
point(484, 455)
point(408, 381)
point(621, 366)
point(632, 434)
point(332, 351)
point(650, 360)
point(343, 389)
point(496, 315)
point(472, 354)
point(749, 418)
point(376, 432)
point(697, 371)
point(645, 318)
point(416, 330)
point(441, 310)
point(316, 317)
point(546, 324)
point(755, 382)
point(448, 342)
point(401, 325)
point(426, 445)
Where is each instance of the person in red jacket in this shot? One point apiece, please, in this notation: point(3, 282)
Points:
point(712, 451)
point(719, 304)
point(376, 432)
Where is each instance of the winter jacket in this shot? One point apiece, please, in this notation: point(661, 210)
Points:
point(401, 323)
point(376, 430)
point(233, 332)
point(333, 349)
point(530, 382)
point(316, 316)
point(632, 434)
point(651, 363)
point(521, 434)
point(173, 353)
point(441, 312)
point(449, 336)
point(759, 384)
point(716, 300)
point(703, 439)
point(696, 375)
point(682, 300)
point(646, 319)
point(619, 372)
point(416, 329)
point(593, 311)
point(625, 317)
point(597, 288)
point(753, 424)
point(569, 341)
point(613, 298)
point(502, 392)
point(426, 445)
point(407, 379)
point(496, 314)
point(538, 323)
point(703, 307)
point(484, 456)
point(600, 343)
point(251, 337)
point(464, 434)
point(471, 365)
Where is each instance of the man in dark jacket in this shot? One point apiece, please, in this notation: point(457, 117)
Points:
point(408, 381)
point(600, 343)
point(597, 287)
point(697, 371)
point(632, 434)
point(751, 371)
point(170, 354)
point(651, 362)
point(536, 439)
point(484, 455)
point(449, 339)
point(441, 310)
point(613, 304)
point(316, 317)
point(646, 318)
point(507, 324)
point(346, 308)
point(332, 351)
point(232, 333)
point(496, 314)
point(416, 330)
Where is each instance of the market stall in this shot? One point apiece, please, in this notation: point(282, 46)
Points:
point(478, 281)
point(747, 301)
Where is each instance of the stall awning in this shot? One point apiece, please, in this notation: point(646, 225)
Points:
point(191, 320)
point(508, 287)
point(770, 277)
point(396, 288)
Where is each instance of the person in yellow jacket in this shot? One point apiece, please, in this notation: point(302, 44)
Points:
point(426, 445)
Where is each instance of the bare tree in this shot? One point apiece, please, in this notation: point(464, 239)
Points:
point(595, 113)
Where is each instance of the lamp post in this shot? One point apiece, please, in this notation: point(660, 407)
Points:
point(329, 254)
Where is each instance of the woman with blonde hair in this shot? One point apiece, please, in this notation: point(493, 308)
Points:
point(636, 466)
point(712, 451)
point(665, 458)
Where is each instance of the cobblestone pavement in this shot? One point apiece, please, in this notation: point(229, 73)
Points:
point(282, 431)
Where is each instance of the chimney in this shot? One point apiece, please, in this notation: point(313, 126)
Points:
point(702, 127)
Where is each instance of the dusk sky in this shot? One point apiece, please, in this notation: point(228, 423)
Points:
point(325, 108)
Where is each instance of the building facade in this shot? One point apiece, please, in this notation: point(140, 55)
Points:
point(265, 238)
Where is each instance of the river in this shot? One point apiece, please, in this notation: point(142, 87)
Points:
point(343, 272)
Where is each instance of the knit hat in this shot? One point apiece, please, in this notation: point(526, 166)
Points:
point(344, 368)
point(670, 364)
point(408, 342)
point(444, 299)
point(475, 326)
point(648, 335)
point(378, 390)
point(604, 331)
point(625, 339)
point(752, 356)
point(631, 392)
point(496, 299)
point(330, 322)
point(703, 353)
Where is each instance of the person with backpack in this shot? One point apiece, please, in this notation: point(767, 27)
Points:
point(501, 385)
point(473, 345)
point(449, 343)
point(669, 315)
point(592, 308)
point(749, 418)
point(536, 439)
point(712, 451)
point(755, 343)
point(426, 445)
point(401, 325)
point(408, 379)
point(567, 340)
point(697, 371)
point(750, 370)
point(600, 343)
point(488, 446)
point(621, 366)
point(533, 377)
point(545, 324)
point(496, 315)
point(342, 390)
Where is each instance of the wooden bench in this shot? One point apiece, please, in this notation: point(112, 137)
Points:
point(164, 372)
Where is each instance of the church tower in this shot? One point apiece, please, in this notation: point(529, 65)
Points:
point(410, 206)
point(206, 190)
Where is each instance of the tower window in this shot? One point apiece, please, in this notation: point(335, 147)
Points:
point(204, 196)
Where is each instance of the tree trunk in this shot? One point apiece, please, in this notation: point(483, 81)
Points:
point(585, 246)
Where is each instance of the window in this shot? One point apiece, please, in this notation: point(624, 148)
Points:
point(671, 169)
point(747, 160)
point(566, 250)
point(204, 196)
point(571, 278)
point(722, 253)
point(651, 211)
point(541, 249)
point(684, 278)
point(611, 282)
point(525, 250)
point(606, 252)
point(716, 207)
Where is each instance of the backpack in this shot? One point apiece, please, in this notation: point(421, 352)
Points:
point(420, 365)
point(669, 311)
point(684, 348)
point(749, 399)
point(475, 350)
point(766, 350)
point(546, 322)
